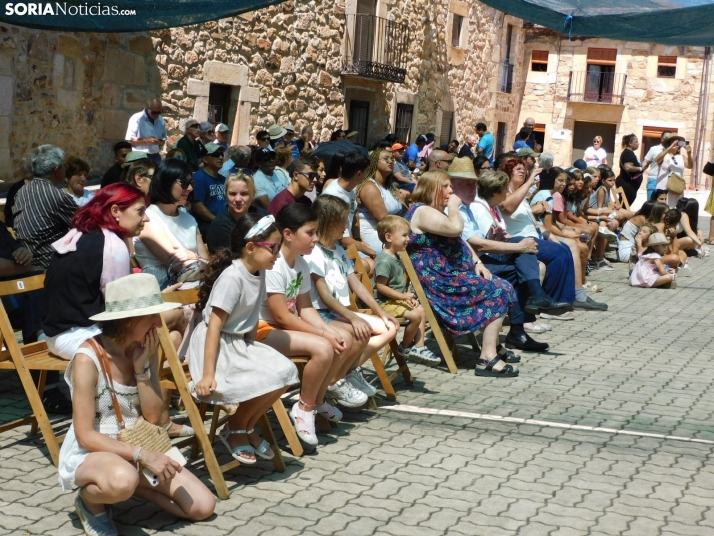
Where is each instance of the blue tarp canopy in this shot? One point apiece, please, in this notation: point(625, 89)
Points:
point(121, 15)
point(668, 22)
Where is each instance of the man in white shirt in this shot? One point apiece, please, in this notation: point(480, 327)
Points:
point(352, 172)
point(595, 156)
point(147, 130)
point(651, 166)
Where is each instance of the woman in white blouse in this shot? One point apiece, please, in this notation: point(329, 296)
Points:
point(595, 155)
point(673, 160)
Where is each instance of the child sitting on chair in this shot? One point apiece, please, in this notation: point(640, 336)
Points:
point(391, 292)
point(650, 271)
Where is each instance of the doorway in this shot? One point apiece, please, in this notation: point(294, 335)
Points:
point(585, 131)
point(359, 120)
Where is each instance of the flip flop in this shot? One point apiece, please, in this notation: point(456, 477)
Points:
point(565, 316)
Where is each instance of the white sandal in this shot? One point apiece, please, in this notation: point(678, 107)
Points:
point(262, 449)
point(239, 451)
point(306, 428)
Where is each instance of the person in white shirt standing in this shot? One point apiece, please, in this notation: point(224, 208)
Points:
point(147, 130)
point(651, 166)
point(596, 156)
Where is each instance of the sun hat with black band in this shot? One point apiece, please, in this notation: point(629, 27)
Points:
point(462, 168)
point(133, 295)
point(669, 140)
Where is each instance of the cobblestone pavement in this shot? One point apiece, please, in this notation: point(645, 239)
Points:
point(644, 367)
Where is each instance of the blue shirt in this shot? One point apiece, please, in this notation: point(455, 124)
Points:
point(412, 153)
point(270, 185)
point(486, 143)
point(471, 227)
point(520, 144)
point(210, 191)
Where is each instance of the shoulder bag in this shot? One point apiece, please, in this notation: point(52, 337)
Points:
point(676, 184)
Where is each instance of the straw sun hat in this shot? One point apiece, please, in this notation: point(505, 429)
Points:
point(462, 168)
point(133, 295)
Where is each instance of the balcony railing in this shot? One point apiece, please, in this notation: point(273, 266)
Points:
point(597, 86)
point(505, 77)
point(375, 48)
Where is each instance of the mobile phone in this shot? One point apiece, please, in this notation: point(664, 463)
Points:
point(173, 453)
point(682, 143)
point(686, 142)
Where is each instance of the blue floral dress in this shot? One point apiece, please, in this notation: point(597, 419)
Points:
point(462, 301)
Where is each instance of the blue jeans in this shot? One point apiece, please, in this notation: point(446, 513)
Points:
point(651, 187)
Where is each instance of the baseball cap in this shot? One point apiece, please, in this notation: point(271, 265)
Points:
point(212, 148)
point(527, 151)
point(206, 126)
point(353, 133)
point(581, 164)
point(222, 128)
point(398, 147)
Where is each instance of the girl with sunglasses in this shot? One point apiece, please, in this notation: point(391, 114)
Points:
point(230, 365)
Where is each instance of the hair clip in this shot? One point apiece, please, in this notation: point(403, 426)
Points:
point(261, 226)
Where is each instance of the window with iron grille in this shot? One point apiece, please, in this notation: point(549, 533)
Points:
point(457, 24)
point(447, 127)
point(403, 123)
point(219, 103)
point(666, 66)
point(500, 138)
point(359, 120)
point(539, 61)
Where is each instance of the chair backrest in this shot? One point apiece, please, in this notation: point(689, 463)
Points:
point(620, 197)
point(361, 272)
point(184, 297)
point(22, 285)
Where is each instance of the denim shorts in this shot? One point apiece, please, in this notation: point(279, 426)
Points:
point(327, 315)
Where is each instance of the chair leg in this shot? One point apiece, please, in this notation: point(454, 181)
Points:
point(406, 373)
point(40, 391)
point(288, 428)
point(383, 377)
point(474, 342)
point(452, 345)
point(39, 412)
point(387, 353)
point(269, 436)
point(202, 411)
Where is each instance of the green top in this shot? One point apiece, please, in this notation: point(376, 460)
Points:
point(391, 268)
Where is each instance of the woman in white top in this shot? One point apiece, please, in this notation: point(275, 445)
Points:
point(672, 160)
point(595, 155)
point(171, 236)
point(76, 171)
point(377, 196)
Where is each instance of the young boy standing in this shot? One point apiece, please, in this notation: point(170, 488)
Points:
point(391, 294)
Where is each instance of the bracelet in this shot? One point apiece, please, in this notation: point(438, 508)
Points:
point(144, 376)
point(137, 452)
point(479, 261)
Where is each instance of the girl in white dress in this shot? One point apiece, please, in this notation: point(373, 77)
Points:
point(230, 365)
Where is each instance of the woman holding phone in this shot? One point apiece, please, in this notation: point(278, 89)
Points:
point(672, 160)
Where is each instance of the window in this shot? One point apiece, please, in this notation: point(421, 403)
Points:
point(219, 103)
point(359, 117)
point(447, 127)
point(602, 56)
point(539, 61)
point(509, 38)
point(500, 138)
point(403, 128)
point(456, 26)
point(666, 66)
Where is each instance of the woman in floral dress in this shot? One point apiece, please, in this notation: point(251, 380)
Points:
point(462, 293)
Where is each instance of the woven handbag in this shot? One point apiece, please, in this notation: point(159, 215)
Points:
point(142, 433)
point(676, 184)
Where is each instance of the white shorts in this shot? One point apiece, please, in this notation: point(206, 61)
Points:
point(66, 344)
point(624, 250)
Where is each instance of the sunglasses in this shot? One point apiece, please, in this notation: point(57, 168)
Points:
point(263, 139)
point(152, 112)
point(274, 247)
point(311, 176)
point(186, 182)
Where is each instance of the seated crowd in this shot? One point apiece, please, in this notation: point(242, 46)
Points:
point(263, 232)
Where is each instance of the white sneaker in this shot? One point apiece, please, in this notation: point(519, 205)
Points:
point(607, 234)
point(344, 394)
point(305, 429)
point(330, 412)
point(356, 379)
point(684, 271)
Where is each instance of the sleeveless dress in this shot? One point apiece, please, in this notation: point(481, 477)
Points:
point(462, 301)
point(105, 420)
point(368, 225)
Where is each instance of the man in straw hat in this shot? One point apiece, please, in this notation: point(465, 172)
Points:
point(512, 259)
point(123, 360)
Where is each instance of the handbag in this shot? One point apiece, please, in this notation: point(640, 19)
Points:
point(676, 184)
point(185, 271)
point(709, 168)
point(142, 433)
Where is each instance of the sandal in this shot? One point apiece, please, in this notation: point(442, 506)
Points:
point(537, 328)
point(263, 450)
point(565, 316)
point(485, 368)
point(507, 355)
point(184, 431)
point(305, 429)
point(240, 451)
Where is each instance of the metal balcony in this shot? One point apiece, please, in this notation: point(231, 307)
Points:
point(596, 86)
point(505, 77)
point(375, 48)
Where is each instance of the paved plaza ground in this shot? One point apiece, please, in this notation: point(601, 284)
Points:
point(597, 460)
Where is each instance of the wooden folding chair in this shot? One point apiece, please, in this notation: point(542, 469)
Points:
point(620, 197)
point(443, 338)
point(384, 378)
point(27, 357)
point(177, 377)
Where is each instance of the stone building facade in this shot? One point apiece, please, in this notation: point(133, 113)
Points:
point(449, 64)
point(576, 89)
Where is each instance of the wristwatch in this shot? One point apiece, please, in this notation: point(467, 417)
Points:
point(144, 376)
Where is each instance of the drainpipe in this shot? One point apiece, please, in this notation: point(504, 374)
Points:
point(702, 114)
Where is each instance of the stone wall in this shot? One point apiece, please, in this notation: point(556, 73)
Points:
point(73, 90)
point(649, 101)
point(283, 64)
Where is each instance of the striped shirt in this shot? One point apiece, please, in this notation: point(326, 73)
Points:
point(42, 215)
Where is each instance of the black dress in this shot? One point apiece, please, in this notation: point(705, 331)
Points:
point(630, 182)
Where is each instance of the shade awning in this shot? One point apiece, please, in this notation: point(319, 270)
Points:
point(667, 22)
point(122, 15)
